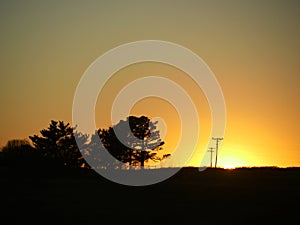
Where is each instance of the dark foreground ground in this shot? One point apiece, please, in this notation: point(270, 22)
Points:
point(214, 196)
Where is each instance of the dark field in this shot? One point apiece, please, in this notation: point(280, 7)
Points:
point(214, 196)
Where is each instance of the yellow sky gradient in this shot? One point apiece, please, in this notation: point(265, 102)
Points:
point(252, 47)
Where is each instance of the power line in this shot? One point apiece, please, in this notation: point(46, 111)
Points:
point(217, 148)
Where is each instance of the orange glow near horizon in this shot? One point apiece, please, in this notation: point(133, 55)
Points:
point(228, 162)
point(253, 50)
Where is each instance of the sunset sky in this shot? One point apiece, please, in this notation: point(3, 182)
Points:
point(252, 47)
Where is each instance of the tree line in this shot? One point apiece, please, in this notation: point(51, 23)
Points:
point(57, 145)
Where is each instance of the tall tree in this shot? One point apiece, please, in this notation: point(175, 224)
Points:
point(142, 141)
point(58, 142)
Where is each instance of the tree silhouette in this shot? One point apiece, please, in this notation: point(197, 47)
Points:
point(58, 142)
point(137, 145)
point(20, 154)
point(17, 146)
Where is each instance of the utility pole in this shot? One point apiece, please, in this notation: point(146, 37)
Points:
point(217, 148)
point(211, 150)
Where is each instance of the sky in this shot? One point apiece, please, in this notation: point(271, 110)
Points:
point(252, 47)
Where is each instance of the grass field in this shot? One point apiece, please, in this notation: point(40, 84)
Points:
point(214, 196)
